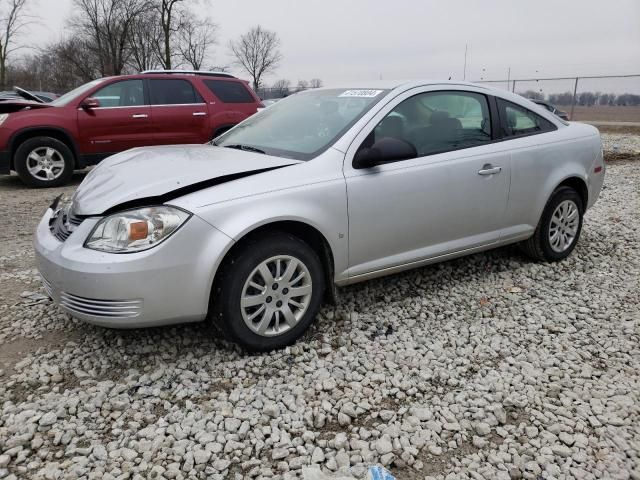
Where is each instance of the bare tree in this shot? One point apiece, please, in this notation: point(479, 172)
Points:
point(281, 87)
point(315, 83)
point(220, 68)
point(58, 67)
point(13, 18)
point(196, 37)
point(303, 84)
point(106, 26)
point(144, 40)
point(78, 56)
point(170, 21)
point(257, 52)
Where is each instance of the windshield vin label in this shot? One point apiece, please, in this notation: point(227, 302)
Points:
point(361, 93)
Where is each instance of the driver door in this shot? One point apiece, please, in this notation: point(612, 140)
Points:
point(451, 198)
point(122, 121)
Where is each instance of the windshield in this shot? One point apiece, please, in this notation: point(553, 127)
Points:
point(75, 93)
point(302, 125)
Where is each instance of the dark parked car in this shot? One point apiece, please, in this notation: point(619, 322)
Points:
point(45, 142)
point(556, 111)
point(19, 93)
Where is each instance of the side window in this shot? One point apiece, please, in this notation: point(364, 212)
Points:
point(436, 122)
point(518, 121)
point(128, 93)
point(173, 92)
point(229, 91)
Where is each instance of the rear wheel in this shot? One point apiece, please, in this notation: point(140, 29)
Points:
point(44, 162)
point(559, 228)
point(268, 293)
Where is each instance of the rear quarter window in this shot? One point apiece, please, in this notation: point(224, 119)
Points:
point(229, 92)
point(517, 121)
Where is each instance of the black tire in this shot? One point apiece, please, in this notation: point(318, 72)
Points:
point(539, 246)
point(220, 131)
point(62, 151)
point(225, 307)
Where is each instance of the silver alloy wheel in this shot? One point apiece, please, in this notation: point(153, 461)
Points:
point(564, 226)
point(276, 295)
point(45, 163)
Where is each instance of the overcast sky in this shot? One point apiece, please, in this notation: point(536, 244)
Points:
point(341, 41)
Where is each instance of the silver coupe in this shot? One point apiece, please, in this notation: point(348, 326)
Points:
point(325, 188)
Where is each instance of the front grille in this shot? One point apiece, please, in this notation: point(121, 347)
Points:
point(101, 308)
point(63, 223)
point(47, 286)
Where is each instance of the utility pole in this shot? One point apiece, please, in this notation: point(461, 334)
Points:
point(464, 71)
point(573, 99)
point(508, 78)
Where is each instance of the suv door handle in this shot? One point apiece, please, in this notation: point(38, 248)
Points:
point(199, 114)
point(140, 115)
point(489, 169)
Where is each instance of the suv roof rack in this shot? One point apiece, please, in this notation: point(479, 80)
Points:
point(189, 72)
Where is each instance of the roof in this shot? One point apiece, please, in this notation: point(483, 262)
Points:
point(188, 72)
point(404, 84)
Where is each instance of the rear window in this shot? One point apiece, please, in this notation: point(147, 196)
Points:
point(173, 92)
point(518, 121)
point(229, 92)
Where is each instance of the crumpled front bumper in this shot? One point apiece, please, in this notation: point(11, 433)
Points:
point(170, 283)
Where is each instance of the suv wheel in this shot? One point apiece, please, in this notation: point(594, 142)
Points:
point(44, 162)
point(220, 131)
point(268, 293)
point(559, 228)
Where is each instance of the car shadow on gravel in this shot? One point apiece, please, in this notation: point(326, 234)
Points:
point(201, 337)
point(335, 321)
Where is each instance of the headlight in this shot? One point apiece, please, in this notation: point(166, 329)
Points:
point(136, 230)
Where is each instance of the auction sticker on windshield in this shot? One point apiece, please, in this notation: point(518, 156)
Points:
point(361, 93)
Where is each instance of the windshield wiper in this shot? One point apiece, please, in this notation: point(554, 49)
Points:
point(246, 148)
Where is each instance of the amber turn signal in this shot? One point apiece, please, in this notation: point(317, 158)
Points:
point(138, 231)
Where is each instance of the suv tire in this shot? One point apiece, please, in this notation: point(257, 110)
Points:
point(44, 162)
point(268, 292)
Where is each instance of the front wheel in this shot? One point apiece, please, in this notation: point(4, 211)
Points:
point(268, 293)
point(44, 162)
point(559, 228)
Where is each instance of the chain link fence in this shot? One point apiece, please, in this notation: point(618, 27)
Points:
point(601, 99)
point(266, 93)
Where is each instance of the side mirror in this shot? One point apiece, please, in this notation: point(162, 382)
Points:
point(89, 103)
point(385, 150)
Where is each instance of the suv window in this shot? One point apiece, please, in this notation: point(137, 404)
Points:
point(518, 121)
point(128, 93)
point(436, 122)
point(229, 92)
point(173, 92)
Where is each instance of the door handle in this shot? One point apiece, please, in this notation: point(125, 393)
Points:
point(140, 115)
point(199, 114)
point(489, 170)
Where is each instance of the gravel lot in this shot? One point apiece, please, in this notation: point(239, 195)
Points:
point(490, 366)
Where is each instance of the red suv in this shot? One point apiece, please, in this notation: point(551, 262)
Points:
point(45, 142)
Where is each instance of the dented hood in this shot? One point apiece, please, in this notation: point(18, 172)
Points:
point(157, 174)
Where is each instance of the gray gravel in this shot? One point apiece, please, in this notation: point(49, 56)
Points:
point(487, 367)
point(621, 143)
